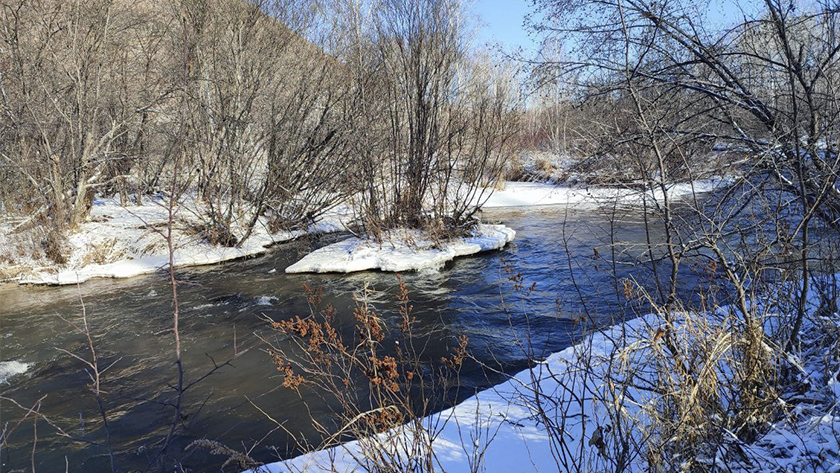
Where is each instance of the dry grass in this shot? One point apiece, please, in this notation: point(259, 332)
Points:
point(103, 253)
point(674, 391)
point(544, 165)
point(382, 387)
point(515, 170)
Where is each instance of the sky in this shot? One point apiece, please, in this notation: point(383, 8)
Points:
point(501, 22)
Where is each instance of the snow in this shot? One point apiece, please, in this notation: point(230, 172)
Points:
point(406, 250)
point(794, 447)
point(502, 428)
point(266, 300)
point(124, 241)
point(12, 368)
point(517, 194)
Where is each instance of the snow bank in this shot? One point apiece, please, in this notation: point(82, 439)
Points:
point(518, 194)
point(498, 424)
point(12, 368)
point(122, 242)
point(408, 250)
point(195, 254)
point(501, 429)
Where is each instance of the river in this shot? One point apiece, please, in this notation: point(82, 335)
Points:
point(564, 251)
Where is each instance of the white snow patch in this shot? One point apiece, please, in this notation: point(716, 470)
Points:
point(12, 368)
point(408, 250)
point(518, 194)
point(124, 241)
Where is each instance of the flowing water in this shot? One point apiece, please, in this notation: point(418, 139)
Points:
point(563, 251)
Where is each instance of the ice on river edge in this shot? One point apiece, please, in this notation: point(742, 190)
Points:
point(406, 250)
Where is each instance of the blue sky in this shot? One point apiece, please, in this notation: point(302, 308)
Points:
point(501, 22)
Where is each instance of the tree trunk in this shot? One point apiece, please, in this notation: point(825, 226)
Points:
point(57, 186)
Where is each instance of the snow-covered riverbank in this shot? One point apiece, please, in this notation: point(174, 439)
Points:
point(121, 242)
point(519, 194)
point(405, 250)
point(503, 429)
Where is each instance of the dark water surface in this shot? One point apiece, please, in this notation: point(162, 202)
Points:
point(225, 304)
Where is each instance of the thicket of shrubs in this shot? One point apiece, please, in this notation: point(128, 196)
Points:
point(262, 108)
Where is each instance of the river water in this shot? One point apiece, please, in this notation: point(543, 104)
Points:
point(564, 251)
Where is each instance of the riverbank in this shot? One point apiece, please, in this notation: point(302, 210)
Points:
point(122, 242)
point(518, 194)
point(126, 241)
point(570, 403)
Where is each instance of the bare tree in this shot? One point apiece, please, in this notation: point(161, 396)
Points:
point(764, 86)
point(70, 98)
point(760, 93)
point(445, 120)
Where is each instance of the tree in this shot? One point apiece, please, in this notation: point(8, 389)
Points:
point(446, 118)
point(71, 98)
point(767, 83)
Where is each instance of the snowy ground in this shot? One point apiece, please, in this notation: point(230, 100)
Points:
point(516, 194)
point(500, 430)
point(406, 250)
point(120, 242)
